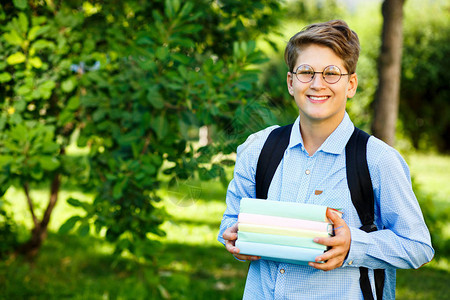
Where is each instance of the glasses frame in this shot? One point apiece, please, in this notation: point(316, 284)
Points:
point(323, 76)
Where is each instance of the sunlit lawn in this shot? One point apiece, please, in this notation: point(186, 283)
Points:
point(193, 264)
point(432, 173)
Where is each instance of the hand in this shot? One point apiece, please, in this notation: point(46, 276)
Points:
point(340, 245)
point(230, 237)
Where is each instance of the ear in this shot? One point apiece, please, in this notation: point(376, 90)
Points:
point(352, 85)
point(289, 81)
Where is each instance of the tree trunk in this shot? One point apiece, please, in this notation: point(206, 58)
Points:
point(39, 232)
point(389, 72)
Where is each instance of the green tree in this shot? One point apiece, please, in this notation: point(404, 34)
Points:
point(425, 92)
point(139, 108)
point(135, 77)
point(39, 102)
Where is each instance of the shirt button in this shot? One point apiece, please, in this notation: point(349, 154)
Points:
point(350, 262)
point(307, 172)
point(282, 271)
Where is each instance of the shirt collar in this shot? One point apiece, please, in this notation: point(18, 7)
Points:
point(335, 143)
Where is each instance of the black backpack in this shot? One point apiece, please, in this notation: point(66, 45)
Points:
point(358, 179)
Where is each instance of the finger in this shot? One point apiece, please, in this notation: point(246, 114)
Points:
point(335, 218)
point(329, 241)
point(231, 232)
point(327, 266)
point(230, 246)
point(329, 255)
point(246, 257)
point(230, 236)
point(322, 241)
point(325, 256)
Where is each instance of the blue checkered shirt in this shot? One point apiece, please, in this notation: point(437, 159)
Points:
point(404, 241)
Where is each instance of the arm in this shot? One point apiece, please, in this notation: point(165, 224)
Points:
point(242, 185)
point(230, 237)
point(403, 240)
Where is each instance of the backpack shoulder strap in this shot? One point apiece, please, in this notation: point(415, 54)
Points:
point(361, 190)
point(269, 159)
point(358, 178)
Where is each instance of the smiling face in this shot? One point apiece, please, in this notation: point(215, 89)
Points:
point(318, 101)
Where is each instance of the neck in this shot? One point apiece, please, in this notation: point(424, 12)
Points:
point(316, 132)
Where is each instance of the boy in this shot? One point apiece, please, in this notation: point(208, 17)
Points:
point(322, 62)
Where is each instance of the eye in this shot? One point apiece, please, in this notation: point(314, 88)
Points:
point(332, 71)
point(305, 70)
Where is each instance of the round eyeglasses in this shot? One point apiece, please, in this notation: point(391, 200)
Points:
point(331, 74)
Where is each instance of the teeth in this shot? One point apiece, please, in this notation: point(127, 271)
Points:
point(318, 98)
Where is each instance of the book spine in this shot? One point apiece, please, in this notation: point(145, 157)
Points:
point(282, 240)
point(284, 222)
point(277, 230)
point(293, 210)
point(278, 252)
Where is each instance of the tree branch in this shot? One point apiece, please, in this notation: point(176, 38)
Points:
point(147, 142)
point(54, 189)
point(26, 188)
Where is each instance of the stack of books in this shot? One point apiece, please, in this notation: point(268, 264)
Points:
point(282, 231)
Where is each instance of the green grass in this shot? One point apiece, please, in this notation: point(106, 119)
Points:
point(191, 265)
point(432, 174)
point(70, 267)
point(423, 284)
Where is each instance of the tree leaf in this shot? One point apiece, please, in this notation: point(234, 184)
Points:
point(32, 33)
point(20, 4)
point(74, 202)
point(162, 53)
point(23, 22)
point(69, 84)
point(50, 147)
point(46, 88)
point(74, 103)
point(36, 62)
point(36, 31)
point(16, 58)
point(83, 230)
point(13, 38)
point(155, 98)
point(160, 126)
point(171, 8)
point(69, 224)
point(37, 173)
point(42, 44)
point(118, 189)
point(5, 77)
point(49, 163)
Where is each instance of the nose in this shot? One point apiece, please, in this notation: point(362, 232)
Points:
point(318, 82)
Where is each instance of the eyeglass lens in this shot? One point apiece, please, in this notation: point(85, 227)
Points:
point(331, 74)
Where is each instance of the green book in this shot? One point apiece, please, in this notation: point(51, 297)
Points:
point(283, 240)
point(294, 210)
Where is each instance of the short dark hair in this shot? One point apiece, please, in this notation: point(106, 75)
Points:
point(333, 34)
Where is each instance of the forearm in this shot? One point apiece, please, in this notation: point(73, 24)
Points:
point(384, 249)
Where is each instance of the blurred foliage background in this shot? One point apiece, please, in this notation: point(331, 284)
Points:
point(118, 126)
